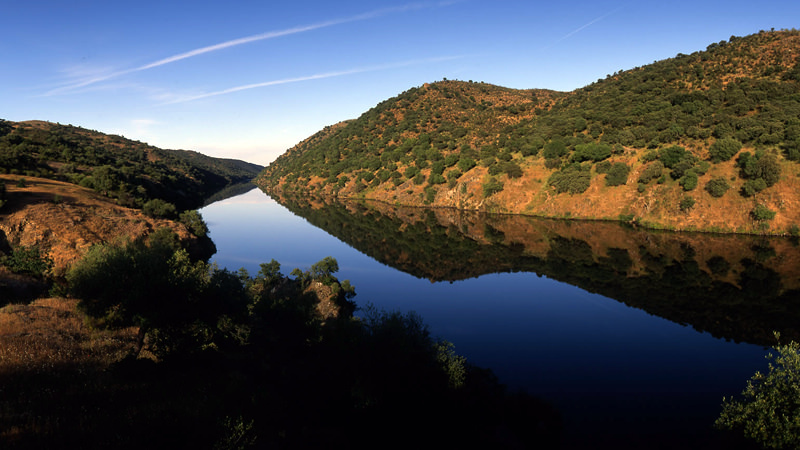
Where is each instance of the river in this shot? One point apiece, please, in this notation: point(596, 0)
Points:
point(619, 374)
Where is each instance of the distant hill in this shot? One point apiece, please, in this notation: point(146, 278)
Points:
point(129, 171)
point(708, 141)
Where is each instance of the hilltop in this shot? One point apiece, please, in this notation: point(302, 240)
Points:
point(708, 141)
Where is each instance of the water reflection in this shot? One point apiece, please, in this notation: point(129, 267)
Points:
point(740, 288)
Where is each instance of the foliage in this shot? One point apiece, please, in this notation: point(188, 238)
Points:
point(194, 221)
point(159, 209)
point(28, 260)
point(762, 213)
point(686, 203)
point(591, 152)
point(717, 187)
point(769, 410)
point(256, 352)
point(652, 171)
point(689, 181)
point(574, 179)
point(617, 174)
point(491, 186)
point(724, 149)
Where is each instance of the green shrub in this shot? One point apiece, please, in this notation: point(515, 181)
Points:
point(717, 187)
point(159, 209)
point(492, 186)
point(762, 213)
point(554, 149)
point(617, 174)
point(686, 203)
point(574, 179)
point(194, 221)
point(651, 172)
point(769, 410)
point(689, 181)
point(752, 187)
point(724, 149)
point(28, 260)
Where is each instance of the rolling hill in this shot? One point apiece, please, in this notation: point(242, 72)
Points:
point(128, 171)
point(708, 141)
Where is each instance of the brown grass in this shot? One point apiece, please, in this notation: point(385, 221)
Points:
point(50, 333)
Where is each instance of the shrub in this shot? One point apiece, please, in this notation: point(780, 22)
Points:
point(492, 186)
point(686, 203)
point(194, 221)
point(159, 209)
point(574, 179)
point(689, 181)
point(769, 410)
point(717, 187)
point(651, 172)
point(554, 149)
point(752, 187)
point(617, 174)
point(671, 156)
point(28, 260)
point(466, 163)
point(724, 149)
point(762, 213)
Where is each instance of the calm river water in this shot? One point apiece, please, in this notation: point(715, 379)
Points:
point(617, 373)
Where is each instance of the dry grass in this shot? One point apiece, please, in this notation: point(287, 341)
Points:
point(51, 334)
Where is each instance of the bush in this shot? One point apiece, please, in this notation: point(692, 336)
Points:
point(28, 260)
point(159, 209)
point(717, 187)
point(686, 203)
point(194, 221)
point(769, 410)
point(724, 149)
point(617, 174)
point(689, 181)
point(574, 179)
point(651, 172)
point(762, 213)
point(492, 186)
point(752, 187)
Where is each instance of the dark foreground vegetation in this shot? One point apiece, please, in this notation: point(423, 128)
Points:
point(231, 360)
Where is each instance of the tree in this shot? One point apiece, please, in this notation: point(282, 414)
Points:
point(194, 221)
point(617, 174)
point(150, 283)
point(717, 187)
point(159, 209)
point(724, 149)
point(769, 410)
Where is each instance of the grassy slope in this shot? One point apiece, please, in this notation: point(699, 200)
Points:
point(747, 89)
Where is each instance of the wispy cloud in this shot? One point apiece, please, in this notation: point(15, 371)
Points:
point(581, 28)
point(318, 76)
point(87, 81)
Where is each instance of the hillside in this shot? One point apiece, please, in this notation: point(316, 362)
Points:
point(708, 141)
point(130, 172)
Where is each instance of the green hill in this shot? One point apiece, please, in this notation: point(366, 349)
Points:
point(129, 171)
point(707, 141)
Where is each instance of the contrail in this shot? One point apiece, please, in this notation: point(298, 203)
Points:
point(311, 77)
point(246, 40)
point(578, 30)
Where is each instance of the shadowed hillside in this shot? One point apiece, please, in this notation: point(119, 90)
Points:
point(130, 172)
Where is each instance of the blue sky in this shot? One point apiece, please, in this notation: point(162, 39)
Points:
point(249, 79)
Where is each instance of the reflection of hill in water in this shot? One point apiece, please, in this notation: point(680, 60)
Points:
point(735, 287)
